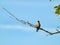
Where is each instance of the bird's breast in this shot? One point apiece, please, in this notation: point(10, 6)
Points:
point(37, 24)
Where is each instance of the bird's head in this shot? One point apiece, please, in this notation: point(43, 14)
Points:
point(38, 21)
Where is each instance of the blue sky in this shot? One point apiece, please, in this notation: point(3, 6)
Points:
point(15, 33)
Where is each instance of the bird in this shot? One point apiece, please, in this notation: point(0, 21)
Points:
point(38, 25)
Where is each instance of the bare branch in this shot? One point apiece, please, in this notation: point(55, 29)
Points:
point(57, 32)
point(46, 31)
point(51, 33)
point(22, 21)
point(27, 23)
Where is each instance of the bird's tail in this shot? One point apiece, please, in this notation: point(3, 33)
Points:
point(37, 29)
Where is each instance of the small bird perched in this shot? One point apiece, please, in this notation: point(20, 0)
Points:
point(38, 25)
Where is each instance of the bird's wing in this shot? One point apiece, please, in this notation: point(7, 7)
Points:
point(22, 21)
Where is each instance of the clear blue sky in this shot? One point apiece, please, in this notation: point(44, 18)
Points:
point(15, 33)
